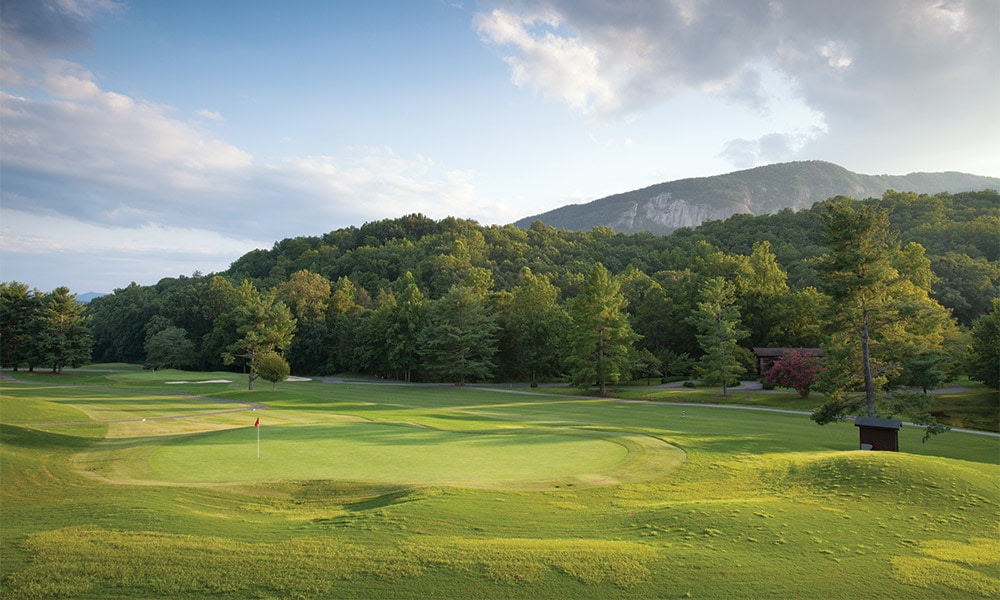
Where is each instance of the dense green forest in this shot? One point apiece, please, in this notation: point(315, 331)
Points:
point(423, 300)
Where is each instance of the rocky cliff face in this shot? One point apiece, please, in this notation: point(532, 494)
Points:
point(665, 211)
point(663, 207)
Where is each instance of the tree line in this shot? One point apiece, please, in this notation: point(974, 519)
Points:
point(47, 330)
point(450, 300)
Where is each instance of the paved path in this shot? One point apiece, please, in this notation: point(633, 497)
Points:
point(745, 386)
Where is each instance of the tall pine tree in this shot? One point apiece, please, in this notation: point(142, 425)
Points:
point(62, 338)
point(601, 338)
point(719, 332)
point(879, 318)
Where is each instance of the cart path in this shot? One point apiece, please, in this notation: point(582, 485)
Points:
point(745, 386)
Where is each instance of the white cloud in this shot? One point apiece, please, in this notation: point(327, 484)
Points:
point(918, 72)
point(24, 232)
point(209, 115)
point(103, 157)
point(836, 54)
point(50, 250)
point(561, 66)
point(91, 177)
point(111, 159)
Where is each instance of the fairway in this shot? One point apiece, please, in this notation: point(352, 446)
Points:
point(403, 454)
point(116, 486)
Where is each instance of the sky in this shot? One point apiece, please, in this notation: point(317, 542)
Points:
point(143, 139)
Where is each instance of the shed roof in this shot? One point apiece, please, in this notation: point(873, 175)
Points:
point(878, 423)
point(779, 352)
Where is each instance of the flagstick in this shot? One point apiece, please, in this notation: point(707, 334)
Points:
point(258, 440)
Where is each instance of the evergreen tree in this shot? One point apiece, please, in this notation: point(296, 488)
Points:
point(19, 311)
point(879, 318)
point(601, 338)
point(719, 332)
point(61, 338)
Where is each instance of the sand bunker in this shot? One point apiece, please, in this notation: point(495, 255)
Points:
point(292, 378)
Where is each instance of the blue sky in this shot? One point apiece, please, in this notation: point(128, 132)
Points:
point(142, 139)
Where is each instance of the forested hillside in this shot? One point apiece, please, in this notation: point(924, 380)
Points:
point(451, 300)
point(664, 207)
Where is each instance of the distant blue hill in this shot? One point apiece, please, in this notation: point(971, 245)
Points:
point(89, 296)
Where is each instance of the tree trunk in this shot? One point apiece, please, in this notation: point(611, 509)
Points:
point(600, 373)
point(867, 364)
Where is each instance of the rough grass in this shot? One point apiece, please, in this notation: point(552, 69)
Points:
point(765, 505)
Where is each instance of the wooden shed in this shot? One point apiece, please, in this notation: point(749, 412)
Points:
point(878, 434)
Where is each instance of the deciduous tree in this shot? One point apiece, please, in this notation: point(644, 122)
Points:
point(984, 352)
point(272, 367)
point(264, 325)
point(535, 327)
point(460, 339)
point(405, 323)
point(795, 370)
point(169, 348)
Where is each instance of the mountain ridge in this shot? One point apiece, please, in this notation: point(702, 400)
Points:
point(664, 207)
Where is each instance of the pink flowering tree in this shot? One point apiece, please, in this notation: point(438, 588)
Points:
point(795, 370)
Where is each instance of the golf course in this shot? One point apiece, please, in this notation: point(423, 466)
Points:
point(126, 483)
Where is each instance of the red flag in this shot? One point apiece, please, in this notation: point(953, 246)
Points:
point(256, 423)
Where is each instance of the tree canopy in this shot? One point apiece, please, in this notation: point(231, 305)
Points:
point(451, 300)
point(881, 316)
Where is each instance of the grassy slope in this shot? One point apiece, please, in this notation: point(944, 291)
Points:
point(765, 505)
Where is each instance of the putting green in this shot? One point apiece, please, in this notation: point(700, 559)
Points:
point(373, 452)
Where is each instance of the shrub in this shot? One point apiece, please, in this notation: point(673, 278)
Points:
point(795, 370)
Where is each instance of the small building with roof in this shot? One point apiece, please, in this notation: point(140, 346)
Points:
point(878, 434)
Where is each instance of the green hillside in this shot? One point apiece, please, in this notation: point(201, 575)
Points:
point(663, 207)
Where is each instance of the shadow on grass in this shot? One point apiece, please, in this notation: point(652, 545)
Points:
point(384, 500)
point(27, 437)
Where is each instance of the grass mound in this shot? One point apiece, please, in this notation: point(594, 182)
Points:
point(898, 477)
